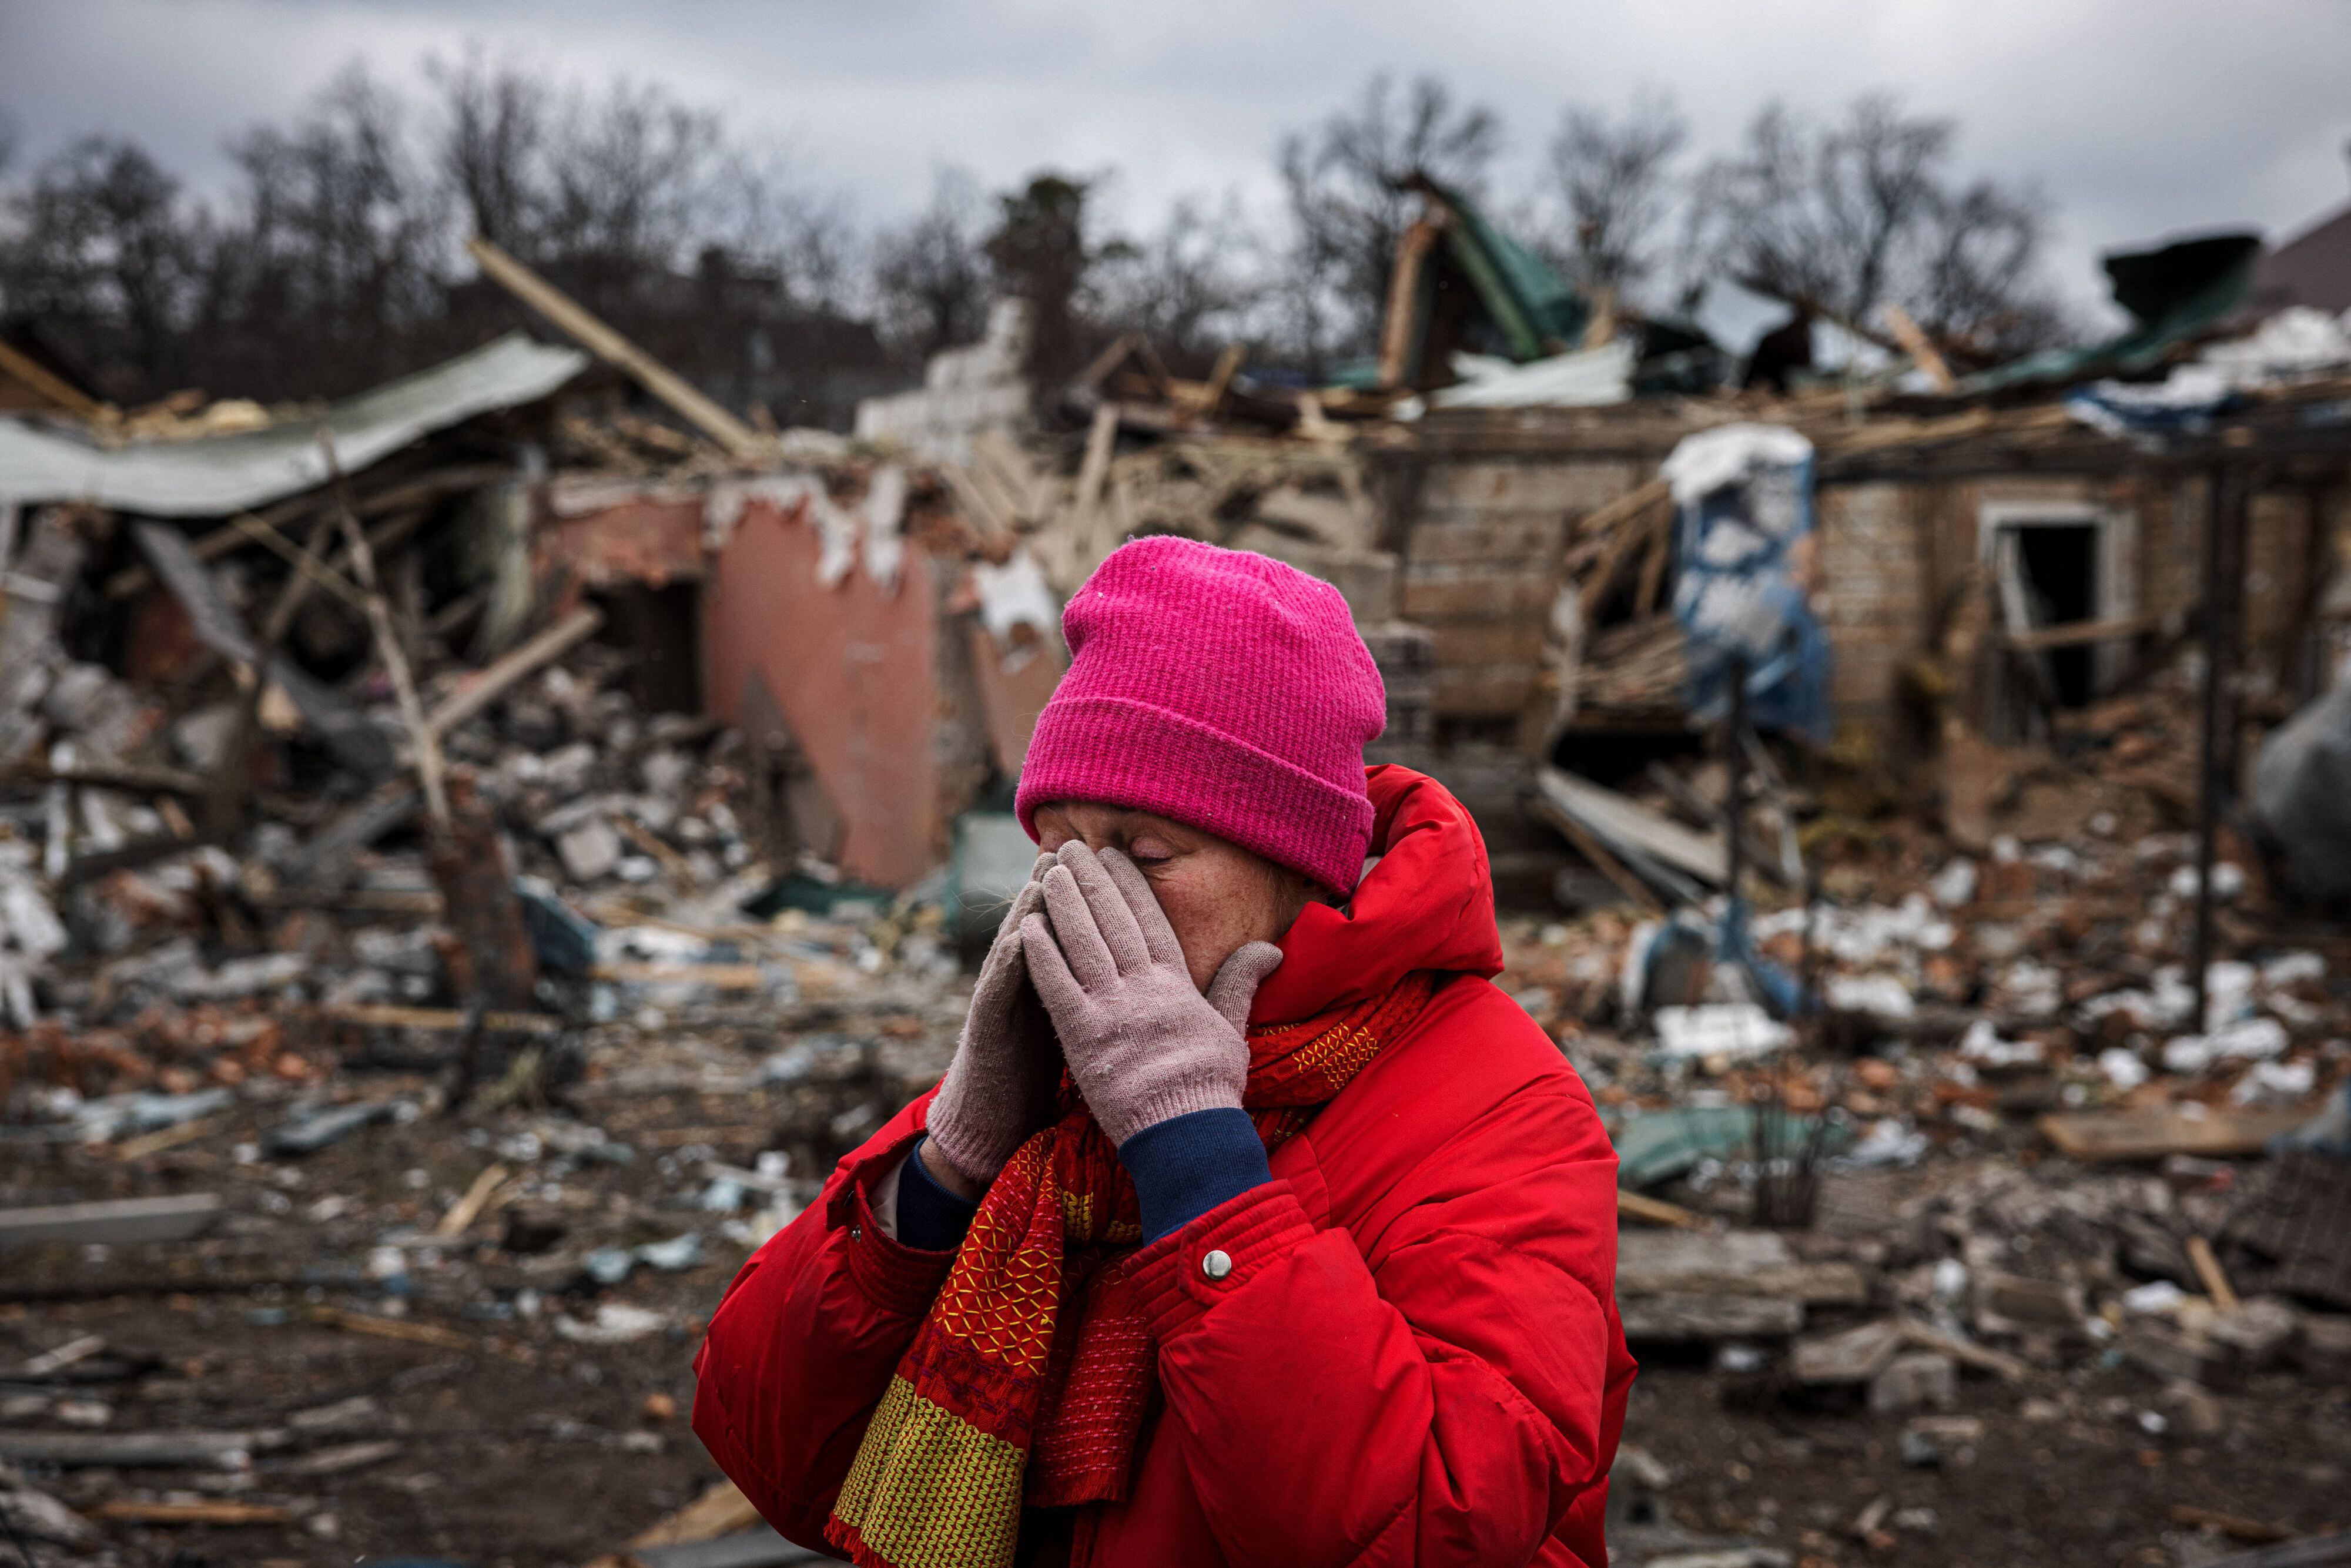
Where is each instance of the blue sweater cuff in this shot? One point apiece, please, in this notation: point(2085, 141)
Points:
point(930, 1217)
point(1186, 1166)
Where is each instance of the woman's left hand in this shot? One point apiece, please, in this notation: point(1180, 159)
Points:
point(1142, 1042)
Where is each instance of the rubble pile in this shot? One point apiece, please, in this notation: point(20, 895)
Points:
point(412, 1010)
point(2043, 1203)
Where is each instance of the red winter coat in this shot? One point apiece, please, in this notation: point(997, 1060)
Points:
point(1416, 1357)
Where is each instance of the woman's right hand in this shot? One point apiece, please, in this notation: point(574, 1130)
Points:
point(1000, 1088)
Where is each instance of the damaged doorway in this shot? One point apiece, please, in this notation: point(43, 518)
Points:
point(660, 626)
point(2054, 564)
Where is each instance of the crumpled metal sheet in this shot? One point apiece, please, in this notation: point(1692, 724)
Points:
point(233, 473)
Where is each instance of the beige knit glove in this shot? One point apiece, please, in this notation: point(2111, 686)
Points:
point(999, 1087)
point(1143, 1043)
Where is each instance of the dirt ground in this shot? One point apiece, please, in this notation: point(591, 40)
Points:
point(510, 1443)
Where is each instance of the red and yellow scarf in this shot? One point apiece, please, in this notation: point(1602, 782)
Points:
point(1005, 1400)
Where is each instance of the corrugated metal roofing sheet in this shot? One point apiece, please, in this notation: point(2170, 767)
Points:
point(232, 473)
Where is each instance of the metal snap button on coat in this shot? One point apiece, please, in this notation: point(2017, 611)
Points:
point(1215, 1265)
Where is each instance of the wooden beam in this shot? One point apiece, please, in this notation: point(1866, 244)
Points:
point(2074, 633)
point(129, 1511)
point(394, 498)
point(1606, 864)
point(1918, 346)
point(42, 379)
point(1628, 504)
point(493, 682)
point(1399, 324)
point(1657, 1211)
point(112, 1222)
point(285, 549)
point(2209, 1271)
point(427, 747)
point(1220, 379)
point(1102, 439)
point(739, 439)
point(442, 1021)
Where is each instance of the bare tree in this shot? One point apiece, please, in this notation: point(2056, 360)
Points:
point(337, 242)
point(1191, 287)
point(1346, 209)
point(1038, 251)
point(1617, 183)
point(633, 189)
point(1978, 251)
point(105, 247)
point(931, 277)
point(493, 147)
point(1853, 215)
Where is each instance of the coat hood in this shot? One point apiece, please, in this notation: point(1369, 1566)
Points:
point(1426, 904)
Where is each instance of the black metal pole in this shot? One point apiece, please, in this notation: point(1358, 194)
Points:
point(1734, 761)
point(2223, 599)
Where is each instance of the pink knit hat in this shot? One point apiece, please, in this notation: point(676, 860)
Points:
point(1223, 690)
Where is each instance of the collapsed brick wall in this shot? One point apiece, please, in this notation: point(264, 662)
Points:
point(1479, 515)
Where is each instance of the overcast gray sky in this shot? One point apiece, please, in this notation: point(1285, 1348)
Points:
point(2141, 118)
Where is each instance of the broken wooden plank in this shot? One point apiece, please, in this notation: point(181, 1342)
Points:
point(1856, 1355)
point(115, 776)
point(112, 1222)
point(492, 683)
point(2208, 1269)
point(1657, 1211)
point(1400, 322)
point(721, 1510)
point(2236, 1527)
point(342, 1459)
point(423, 746)
point(1619, 822)
point(2313, 1551)
point(739, 439)
point(1632, 504)
point(1918, 346)
point(717, 976)
point(319, 574)
point(42, 379)
point(410, 499)
point(210, 1511)
point(2005, 1367)
point(357, 743)
point(391, 1328)
point(71, 1352)
point(1677, 1319)
point(329, 850)
point(468, 1207)
point(374, 1015)
point(2154, 1134)
point(134, 1149)
point(1587, 843)
point(1651, 1261)
point(2075, 634)
point(1730, 1263)
point(140, 1451)
point(979, 507)
point(1102, 440)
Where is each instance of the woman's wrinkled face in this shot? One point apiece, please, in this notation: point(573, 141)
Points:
point(1217, 894)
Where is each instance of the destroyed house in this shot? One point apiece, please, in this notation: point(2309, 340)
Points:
point(882, 661)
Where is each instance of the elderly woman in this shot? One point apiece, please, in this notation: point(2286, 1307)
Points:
point(1250, 1223)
